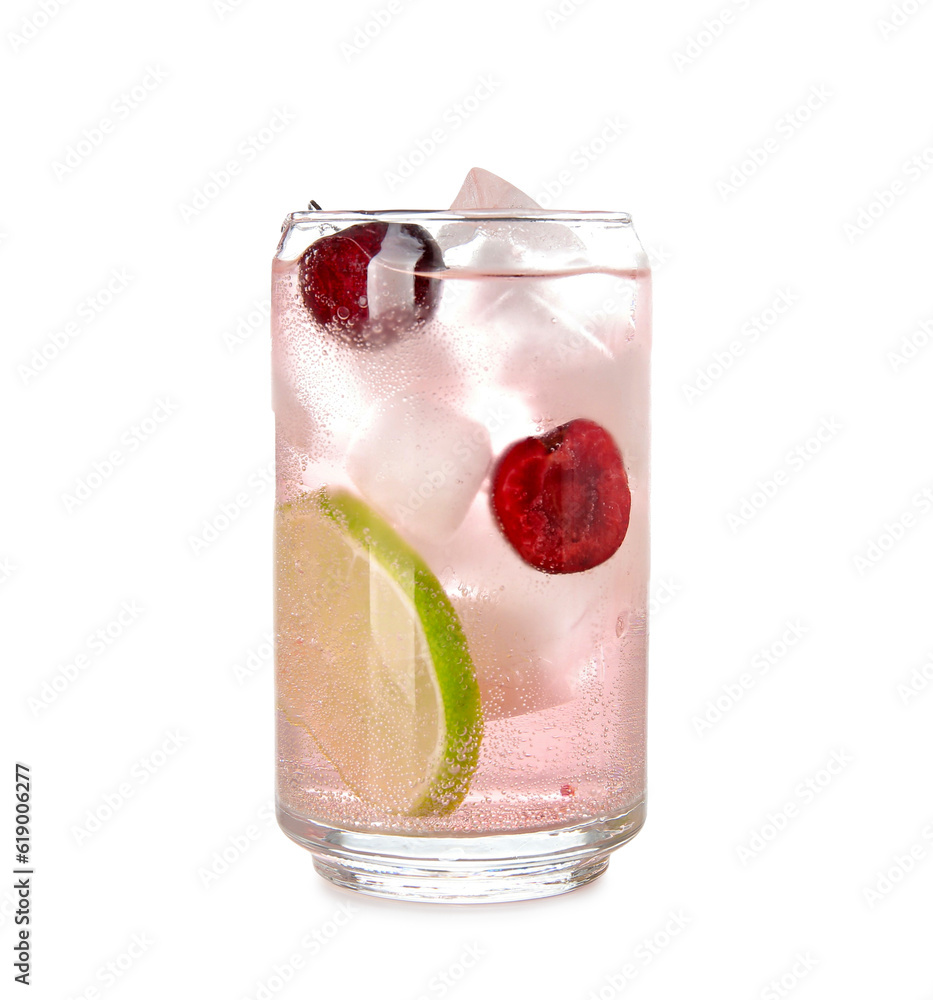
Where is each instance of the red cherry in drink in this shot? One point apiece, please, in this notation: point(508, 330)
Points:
point(562, 500)
point(333, 278)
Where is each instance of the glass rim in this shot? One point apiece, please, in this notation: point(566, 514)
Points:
point(465, 215)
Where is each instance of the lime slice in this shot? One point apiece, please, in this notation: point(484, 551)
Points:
point(372, 660)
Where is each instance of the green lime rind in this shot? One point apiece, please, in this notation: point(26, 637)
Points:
point(446, 642)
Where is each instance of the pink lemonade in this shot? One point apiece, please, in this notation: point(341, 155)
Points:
point(461, 409)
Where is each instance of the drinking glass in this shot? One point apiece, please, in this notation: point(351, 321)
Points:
point(461, 546)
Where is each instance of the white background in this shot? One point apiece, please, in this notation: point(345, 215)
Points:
point(685, 106)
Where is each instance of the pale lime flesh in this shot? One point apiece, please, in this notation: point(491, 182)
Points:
point(372, 660)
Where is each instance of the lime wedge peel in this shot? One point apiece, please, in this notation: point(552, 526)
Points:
point(373, 662)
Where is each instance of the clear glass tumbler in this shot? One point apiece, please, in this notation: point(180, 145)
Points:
point(461, 564)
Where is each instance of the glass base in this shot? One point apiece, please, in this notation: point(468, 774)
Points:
point(478, 868)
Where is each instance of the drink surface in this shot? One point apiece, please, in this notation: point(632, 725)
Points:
point(539, 670)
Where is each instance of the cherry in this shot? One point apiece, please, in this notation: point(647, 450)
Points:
point(562, 500)
point(333, 279)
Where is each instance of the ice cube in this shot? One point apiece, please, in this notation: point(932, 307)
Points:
point(420, 462)
point(537, 323)
point(505, 246)
point(532, 635)
point(483, 189)
point(523, 663)
point(590, 363)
